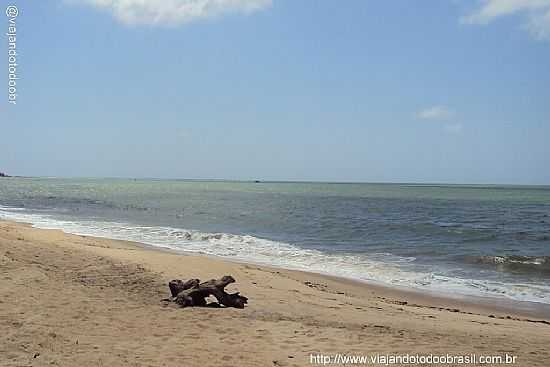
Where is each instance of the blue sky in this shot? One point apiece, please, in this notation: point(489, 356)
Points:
point(415, 91)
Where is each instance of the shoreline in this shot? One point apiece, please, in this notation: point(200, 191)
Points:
point(70, 299)
point(433, 269)
point(433, 299)
point(417, 297)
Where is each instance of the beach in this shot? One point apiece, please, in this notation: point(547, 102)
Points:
point(266, 183)
point(79, 300)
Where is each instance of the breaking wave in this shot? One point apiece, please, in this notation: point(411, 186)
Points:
point(539, 265)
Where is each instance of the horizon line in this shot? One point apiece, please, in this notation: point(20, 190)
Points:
point(259, 180)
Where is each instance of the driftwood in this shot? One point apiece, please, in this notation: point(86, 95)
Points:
point(194, 293)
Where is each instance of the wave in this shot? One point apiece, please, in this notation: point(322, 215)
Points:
point(515, 263)
point(383, 268)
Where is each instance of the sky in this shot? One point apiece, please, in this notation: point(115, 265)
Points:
point(453, 91)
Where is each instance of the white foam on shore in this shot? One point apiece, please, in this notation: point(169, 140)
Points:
point(245, 248)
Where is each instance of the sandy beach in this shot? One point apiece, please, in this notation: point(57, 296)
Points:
point(69, 300)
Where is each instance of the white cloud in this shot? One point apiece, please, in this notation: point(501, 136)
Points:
point(539, 26)
point(174, 12)
point(454, 128)
point(441, 115)
point(536, 13)
point(435, 113)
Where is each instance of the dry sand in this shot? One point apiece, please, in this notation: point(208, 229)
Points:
point(68, 300)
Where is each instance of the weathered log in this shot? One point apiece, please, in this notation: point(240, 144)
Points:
point(177, 285)
point(193, 293)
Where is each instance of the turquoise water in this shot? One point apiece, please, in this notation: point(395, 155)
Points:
point(463, 239)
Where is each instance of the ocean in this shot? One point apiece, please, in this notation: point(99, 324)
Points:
point(458, 240)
